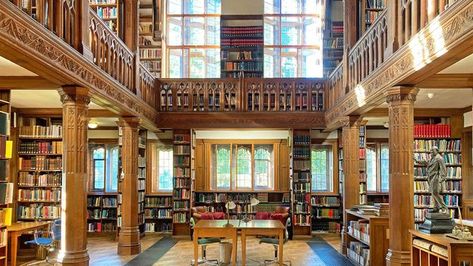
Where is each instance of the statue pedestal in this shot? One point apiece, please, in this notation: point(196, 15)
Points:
point(437, 223)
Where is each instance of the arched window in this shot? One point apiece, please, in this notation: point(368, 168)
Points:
point(322, 168)
point(221, 166)
point(104, 167)
point(165, 170)
point(242, 160)
point(264, 168)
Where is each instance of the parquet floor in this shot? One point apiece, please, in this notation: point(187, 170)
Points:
point(102, 251)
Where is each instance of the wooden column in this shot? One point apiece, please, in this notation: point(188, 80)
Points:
point(401, 168)
point(82, 28)
point(394, 30)
point(129, 238)
point(131, 24)
point(351, 167)
point(351, 23)
point(73, 251)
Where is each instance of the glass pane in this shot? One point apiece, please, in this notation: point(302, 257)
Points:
point(272, 62)
point(174, 6)
point(221, 166)
point(194, 7)
point(213, 63)
point(271, 30)
point(272, 6)
point(312, 31)
point(311, 63)
point(264, 167)
point(113, 171)
point(165, 170)
point(311, 6)
point(99, 174)
point(371, 168)
point(99, 153)
point(214, 6)
point(174, 31)
point(291, 6)
point(384, 167)
point(321, 168)
point(242, 155)
point(197, 63)
point(176, 63)
point(291, 28)
point(194, 31)
point(213, 31)
point(289, 62)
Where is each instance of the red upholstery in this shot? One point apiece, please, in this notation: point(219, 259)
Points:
point(279, 216)
point(218, 215)
point(281, 213)
point(262, 215)
point(206, 216)
point(200, 213)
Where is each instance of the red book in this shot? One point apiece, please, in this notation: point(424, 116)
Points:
point(99, 227)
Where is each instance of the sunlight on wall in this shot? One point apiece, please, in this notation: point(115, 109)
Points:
point(419, 47)
point(360, 93)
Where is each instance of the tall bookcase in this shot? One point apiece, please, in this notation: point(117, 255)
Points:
point(150, 36)
point(369, 11)
point(241, 45)
point(101, 212)
point(158, 213)
point(333, 36)
point(301, 182)
point(181, 181)
point(109, 11)
point(362, 161)
point(6, 188)
point(39, 168)
point(425, 137)
point(142, 139)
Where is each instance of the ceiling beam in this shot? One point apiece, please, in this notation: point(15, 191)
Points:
point(26, 83)
point(447, 81)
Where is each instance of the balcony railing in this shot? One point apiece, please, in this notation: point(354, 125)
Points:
point(335, 89)
point(244, 95)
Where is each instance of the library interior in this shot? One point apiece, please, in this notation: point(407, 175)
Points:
point(224, 132)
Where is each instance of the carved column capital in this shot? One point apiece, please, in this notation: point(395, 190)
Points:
point(350, 121)
point(401, 93)
point(129, 122)
point(74, 94)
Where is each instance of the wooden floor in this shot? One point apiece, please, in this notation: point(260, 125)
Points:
point(102, 251)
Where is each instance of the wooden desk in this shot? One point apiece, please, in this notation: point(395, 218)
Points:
point(216, 228)
point(262, 227)
point(17, 229)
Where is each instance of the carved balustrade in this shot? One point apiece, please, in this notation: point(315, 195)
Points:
point(147, 90)
point(335, 89)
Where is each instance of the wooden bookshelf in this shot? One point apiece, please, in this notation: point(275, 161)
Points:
point(158, 213)
point(333, 37)
point(241, 45)
point(327, 213)
point(109, 11)
point(367, 238)
point(301, 182)
point(362, 160)
point(181, 181)
point(102, 212)
point(39, 168)
point(438, 249)
point(425, 137)
point(369, 11)
point(142, 142)
point(150, 36)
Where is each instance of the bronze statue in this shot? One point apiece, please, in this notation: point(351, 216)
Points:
point(436, 173)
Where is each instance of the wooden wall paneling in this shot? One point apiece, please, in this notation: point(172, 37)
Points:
point(284, 182)
point(456, 122)
point(401, 167)
point(151, 165)
point(74, 191)
point(200, 175)
point(129, 238)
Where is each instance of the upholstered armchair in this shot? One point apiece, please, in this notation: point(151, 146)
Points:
point(281, 213)
point(201, 213)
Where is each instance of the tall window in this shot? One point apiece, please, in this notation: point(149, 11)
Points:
point(165, 171)
point(293, 38)
point(242, 166)
point(377, 167)
point(193, 38)
point(104, 167)
point(322, 168)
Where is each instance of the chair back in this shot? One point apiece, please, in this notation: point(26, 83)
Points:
point(56, 230)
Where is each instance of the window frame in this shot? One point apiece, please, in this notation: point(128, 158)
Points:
point(108, 147)
point(186, 48)
point(278, 17)
point(329, 170)
point(233, 182)
point(152, 166)
point(378, 146)
point(335, 167)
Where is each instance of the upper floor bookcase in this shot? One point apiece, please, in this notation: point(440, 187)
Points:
point(369, 11)
point(109, 11)
point(150, 36)
point(333, 36)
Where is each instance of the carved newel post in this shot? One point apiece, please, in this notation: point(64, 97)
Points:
point(401, 168)
point(129, 236)
point(73, 250)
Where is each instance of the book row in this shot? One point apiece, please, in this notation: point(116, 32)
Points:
point(427, 201)
point(181, 160)
point(40, 163)
point(419, 214)
point(444, 145)
point(150, 53)
point(6, 147)
point(142, 173)
point(333, 43)
point(53, 131)
point(101, 227)
point(152, 65)
point(371, 16)
point(301, 176)
point(247, 31)
point(301, 164)
point(41, 147)
point(182, 172)
point(53, 195)
point(106, 202)
point(181, 182)
point(182, 138)
point(301, 207)
point(181, 193)
point(158, 227)
point(447, 186)
point(182, 149)
point(302, 197)
point(158, 201)
point(454, 172)
point(6, 193)
point(248, 66)
point(449, 158)
point(107, 12)
point(158, 213)
point(327, 213)
point(359, 253)
point(180, 205)
point(180, 217)
point(432, 131)
point(141, 161)
point(43, 180)
point(241, 55)
point(360, 229)
point(39, 211)
point(98, 214)
point(375, 3)
point(141, 184)
point(325, 201)
point(95, 2)
point(301, 139)
point(301, 219)
point(301, 187)
point(243, 74)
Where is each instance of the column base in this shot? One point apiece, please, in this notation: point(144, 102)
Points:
point(73, 257)
point(129, 241)
point(398, 258)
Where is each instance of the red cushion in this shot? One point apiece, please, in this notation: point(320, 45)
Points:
point(218, 215)
point(262, 215)
point(206, 216)
point(279, 216)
